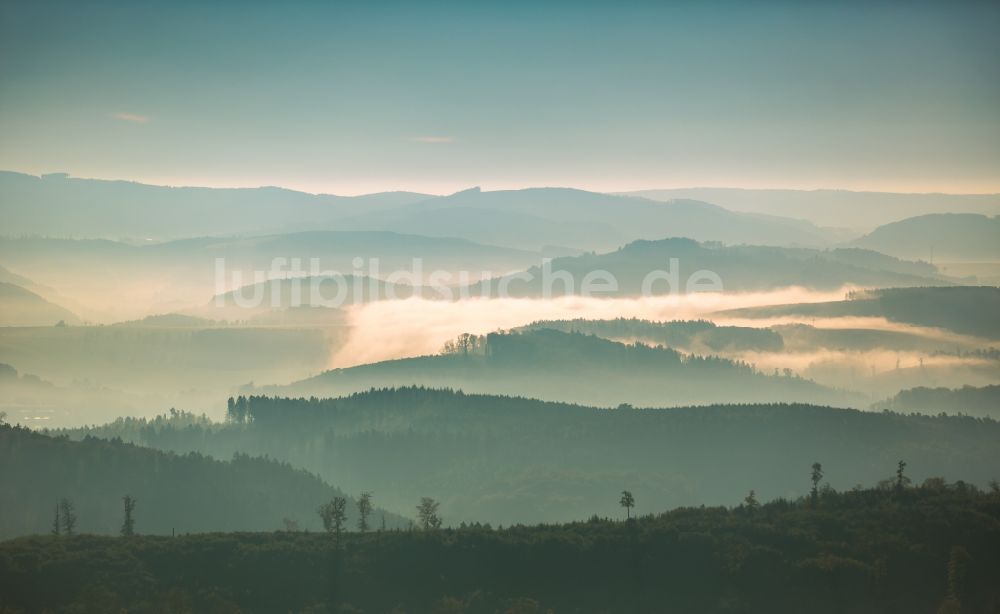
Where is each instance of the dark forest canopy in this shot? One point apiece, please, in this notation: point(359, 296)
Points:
point(688, 335)
point(906, 549)
point(981, 401)
point(509, 459)
point(175, 492)
point(705, 337)
point(554, 365)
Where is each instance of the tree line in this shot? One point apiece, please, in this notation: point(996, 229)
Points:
point(895, 547)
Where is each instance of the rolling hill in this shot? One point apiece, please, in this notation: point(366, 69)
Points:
point(740, 268)
point(162, 362)
point(138, 280)
point(182, 493)
point(968, 400)
point(57, 205)
point(968, 310)
point(10, 277)
point(61, 206)
point(572, 367)
point(533, 218)
point(700, 337)
point(20, 307)
point(941, 236)
point(334, 250)
point(858, 211)
point(511, 459)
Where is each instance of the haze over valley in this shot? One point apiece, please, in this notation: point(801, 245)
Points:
point(188, 321)
point(488, 308)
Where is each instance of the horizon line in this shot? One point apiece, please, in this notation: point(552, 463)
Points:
point(614, 192)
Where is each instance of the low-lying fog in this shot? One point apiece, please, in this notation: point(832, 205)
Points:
point(94, 373)
point(396, 329)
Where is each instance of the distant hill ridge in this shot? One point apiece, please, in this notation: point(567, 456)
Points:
point(21, 307)
point(57, 205)
point(941, 236)
point(857, 210)
point(738, 267)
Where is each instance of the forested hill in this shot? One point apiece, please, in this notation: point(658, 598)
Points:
point(699, 336)
point(573, 367)
point(931, 548)
point(970, 400)
point(739, 267)
point(969, 310)
point(509, 459)
point(22, 307)
point(962, 236)
point(182, 493)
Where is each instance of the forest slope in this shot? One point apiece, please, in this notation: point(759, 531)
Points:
point(182, 493)
point(559, 366)
point(510, 459)
point(926, 549)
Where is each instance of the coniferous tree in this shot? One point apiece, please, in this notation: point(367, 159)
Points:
point(334, 514)
point(364, 510)
point(241, 410)
point(817, 475)
point(901, 479)
point(128, 526)
point(339, 514)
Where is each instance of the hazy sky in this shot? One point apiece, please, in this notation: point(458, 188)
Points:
point(363, 96)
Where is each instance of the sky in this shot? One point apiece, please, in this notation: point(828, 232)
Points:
point(356, 97)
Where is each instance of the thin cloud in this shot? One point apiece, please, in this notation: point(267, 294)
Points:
point(431, 139)
point(132, 118)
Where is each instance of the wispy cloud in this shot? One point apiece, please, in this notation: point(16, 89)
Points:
point(431, 139)
point(132, 118)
